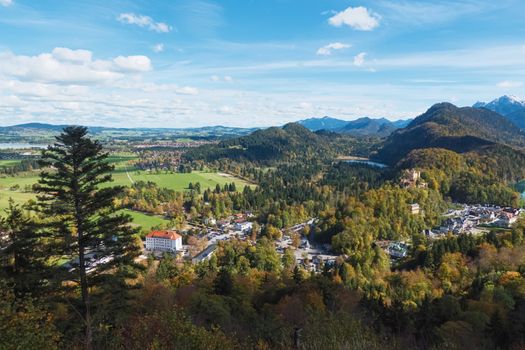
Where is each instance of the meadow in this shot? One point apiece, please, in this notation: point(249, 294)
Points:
point(125, 174)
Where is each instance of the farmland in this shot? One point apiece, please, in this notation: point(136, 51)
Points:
point(125, 174)
point(121, 177)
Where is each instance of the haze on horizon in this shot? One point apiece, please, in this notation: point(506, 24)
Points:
point(190, 63)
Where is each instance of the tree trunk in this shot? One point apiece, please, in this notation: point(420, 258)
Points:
point(82, 268)
point(85, 294)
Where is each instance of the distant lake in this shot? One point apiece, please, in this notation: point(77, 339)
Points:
point(367, 162)
point(20, 146)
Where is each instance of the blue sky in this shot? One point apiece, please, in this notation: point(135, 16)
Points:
point(183, 63)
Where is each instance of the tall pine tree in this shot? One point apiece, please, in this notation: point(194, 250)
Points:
point(21, 254)
point(84, 226)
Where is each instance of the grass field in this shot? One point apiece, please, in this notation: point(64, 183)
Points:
point(175, 181)
point(122, 177)
point(18, 197)
point(8, 163)
point(144, 220)
point(140, 219)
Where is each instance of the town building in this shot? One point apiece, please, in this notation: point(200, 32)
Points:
point(168, 241)
point(244, 226)
point(210, 221)
point(415, 209)
point(206, 254)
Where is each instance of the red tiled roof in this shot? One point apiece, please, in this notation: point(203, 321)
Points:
point(164, 234)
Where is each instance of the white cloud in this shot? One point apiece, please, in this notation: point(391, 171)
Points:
point(158, 47)
point(66, 66)
point(144, 21)
point(187, 90)
point(133, 63)
point(359, 59)
point(327, 49)
point(6, 2)
point(359, 18)
point(217, 78)
point(508, 84)
point(65, 54)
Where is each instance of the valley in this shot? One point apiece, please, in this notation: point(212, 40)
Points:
point(358, 212)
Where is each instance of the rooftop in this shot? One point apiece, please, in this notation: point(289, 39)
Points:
point(164, 234)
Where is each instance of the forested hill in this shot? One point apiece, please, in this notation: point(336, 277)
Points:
point(446, 126)
point(273, 144)
point(370, 127)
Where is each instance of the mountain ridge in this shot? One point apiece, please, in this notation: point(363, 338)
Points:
point(508, 106)
point(364, 126)
point(459, 129)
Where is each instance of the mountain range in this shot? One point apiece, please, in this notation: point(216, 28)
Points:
point(510, 107)
point(461, 130)
point(365, 126)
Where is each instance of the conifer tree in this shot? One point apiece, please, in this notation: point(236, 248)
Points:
point(84, 225)
point(21, 252)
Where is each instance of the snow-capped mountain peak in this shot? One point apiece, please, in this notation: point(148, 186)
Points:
point(503, 105)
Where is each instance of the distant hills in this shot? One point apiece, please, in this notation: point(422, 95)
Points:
point(457, 129)
point(365, 126)
point(267, 145)
point(510, 107)
point(44, 133)
point(324, 123)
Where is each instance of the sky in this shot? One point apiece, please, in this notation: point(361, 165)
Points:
point(252, 63)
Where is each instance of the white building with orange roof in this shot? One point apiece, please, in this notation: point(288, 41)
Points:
point(169, 241)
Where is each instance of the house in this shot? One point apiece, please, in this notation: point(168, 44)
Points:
point(397, 250)
point(206, 254)
point(210, 221)
point(244, 226)
point(169, 241)
point(415, 209)
point(506, 219)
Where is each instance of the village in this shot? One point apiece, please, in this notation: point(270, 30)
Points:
point(462, 219)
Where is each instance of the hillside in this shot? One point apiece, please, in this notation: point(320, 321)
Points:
point(447, 126)
point(273, 144)
point(518, 118)
point(371, 127)
point(324, 123)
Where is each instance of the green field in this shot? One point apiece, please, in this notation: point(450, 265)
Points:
point(144, 220)
point(18, 196)
point(140, 219)
point(123, 177)
point(174, 181)
point(8, 162)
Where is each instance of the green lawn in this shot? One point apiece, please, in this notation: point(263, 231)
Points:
point(8, 162)
point(18, 197)
point(21, 180)
point(144, 220)
point(175, 181)
point(140, 219)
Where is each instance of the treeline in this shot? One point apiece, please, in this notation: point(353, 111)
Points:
point(23, 165)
